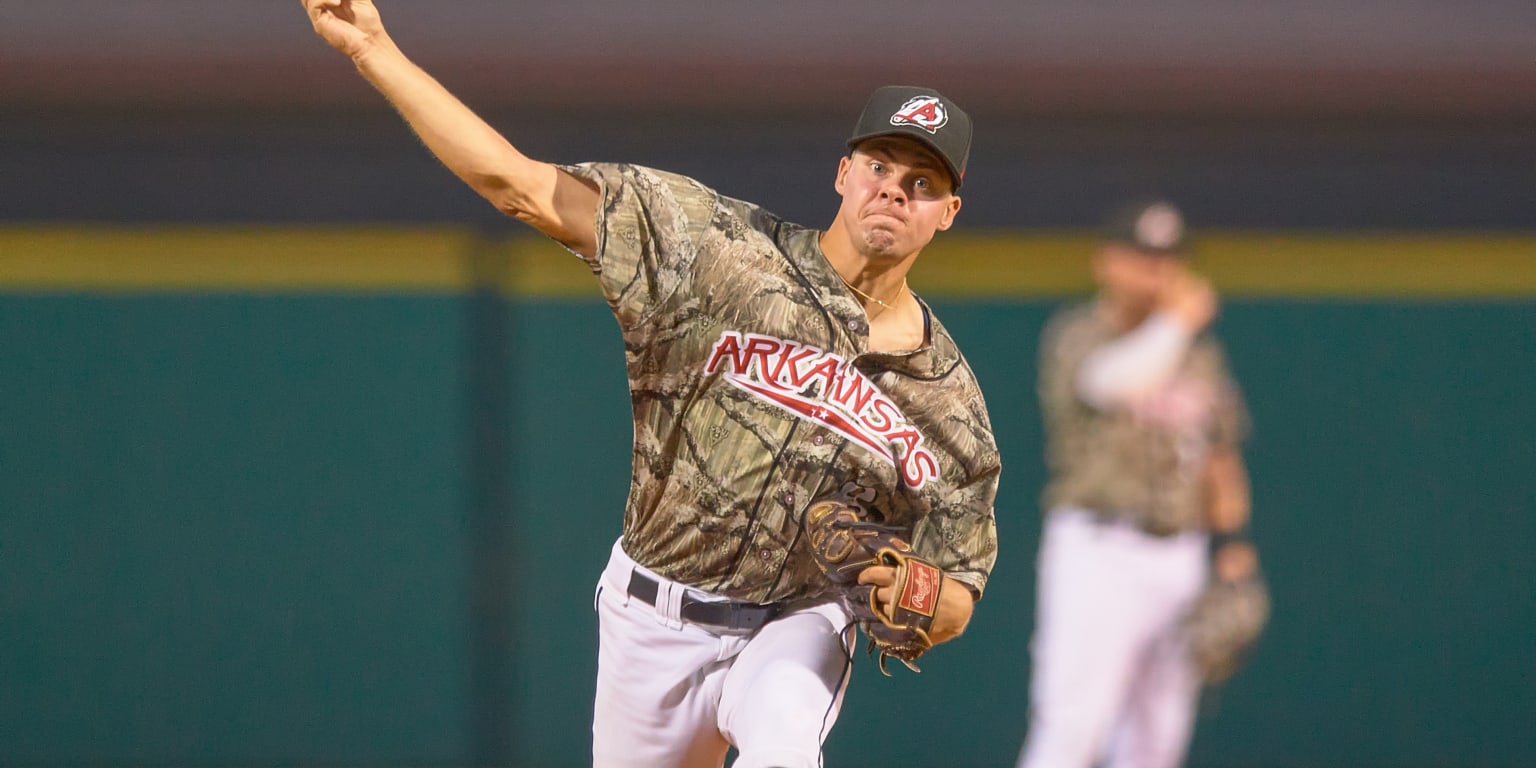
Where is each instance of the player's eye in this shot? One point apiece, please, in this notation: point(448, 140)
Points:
point(923, 184)
point(877, 166)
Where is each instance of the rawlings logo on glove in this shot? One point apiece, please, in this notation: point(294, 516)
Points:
point(844, 542)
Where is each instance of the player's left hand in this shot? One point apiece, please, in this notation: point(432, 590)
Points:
point(955, 602)
point(1235, 561)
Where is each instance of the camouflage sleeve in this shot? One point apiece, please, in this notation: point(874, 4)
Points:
point(1064, 344)
point(649, 224)
point(960, 536)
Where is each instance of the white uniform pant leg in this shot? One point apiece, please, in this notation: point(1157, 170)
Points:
point(1100, 606)
point(658, 682)
point(1158, 717)
point(785, 689)
point(1081, 656)
point(675, 695)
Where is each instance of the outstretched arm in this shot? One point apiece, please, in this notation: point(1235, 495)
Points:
point(550, 200)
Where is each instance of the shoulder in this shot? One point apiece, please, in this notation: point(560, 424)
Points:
point(654, 188)
point(649, 184)
point(947, 366)
point(1070, 325)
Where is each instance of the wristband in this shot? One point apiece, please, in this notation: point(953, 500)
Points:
point(1220, 539)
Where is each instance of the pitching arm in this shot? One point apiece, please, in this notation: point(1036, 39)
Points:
point(538, 193)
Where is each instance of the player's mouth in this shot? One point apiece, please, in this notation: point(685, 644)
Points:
point(885, 214)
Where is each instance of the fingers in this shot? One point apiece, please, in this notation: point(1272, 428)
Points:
point(316, 8)
point(879, 575)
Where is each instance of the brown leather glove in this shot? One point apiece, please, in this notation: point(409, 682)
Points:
point(1224, 625)
point(844, 541)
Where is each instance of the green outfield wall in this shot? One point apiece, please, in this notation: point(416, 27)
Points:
point(339, 497)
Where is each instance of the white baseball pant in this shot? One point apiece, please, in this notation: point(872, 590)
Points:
point(1112, 679)
point(673, 694)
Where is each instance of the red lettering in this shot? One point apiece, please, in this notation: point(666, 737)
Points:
point(846, 400)
point(792, 358)
point(917, 467)
point(927, 113)
point(909, 439)
point(854, 392)
point(826, 370)
point(728, 345)
point(761, 348)
point(881, 416)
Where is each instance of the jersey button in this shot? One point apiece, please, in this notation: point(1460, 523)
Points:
point(765, 554)
point(853, 325)
point(818, 440)
point(789, 498)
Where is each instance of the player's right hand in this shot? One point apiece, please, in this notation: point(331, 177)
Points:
point(350, 26)
point(1190, 299)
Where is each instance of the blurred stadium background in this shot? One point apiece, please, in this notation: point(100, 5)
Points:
point(308, 458)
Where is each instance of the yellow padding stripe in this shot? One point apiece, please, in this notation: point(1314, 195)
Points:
point(1283, 264)
point(227, 259)
point(1001, 264)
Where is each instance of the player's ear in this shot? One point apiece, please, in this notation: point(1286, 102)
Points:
point(842, 173)
point(948, 219)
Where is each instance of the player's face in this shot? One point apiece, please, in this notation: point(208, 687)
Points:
point(1133, 278)
point(896, 195)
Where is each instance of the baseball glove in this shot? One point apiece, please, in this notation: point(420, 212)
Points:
point(844, 542)
point(1224, 625)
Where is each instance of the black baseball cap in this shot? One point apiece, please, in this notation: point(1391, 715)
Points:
point(1154, 227)
point(922, 114)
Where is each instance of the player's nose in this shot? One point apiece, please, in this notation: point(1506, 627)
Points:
point(894, 189)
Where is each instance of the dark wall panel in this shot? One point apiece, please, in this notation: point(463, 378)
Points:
point(126, 166)
point(234, 533)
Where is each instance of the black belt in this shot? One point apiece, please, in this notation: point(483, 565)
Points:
point(1151, 529)
point(728, 615)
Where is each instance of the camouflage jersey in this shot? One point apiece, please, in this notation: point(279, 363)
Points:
point(754, 392)
point(1143, 464)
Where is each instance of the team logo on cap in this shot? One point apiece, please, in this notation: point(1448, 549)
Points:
point(1159, 226)
point(925, 112)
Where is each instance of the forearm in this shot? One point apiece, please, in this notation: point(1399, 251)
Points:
point(1228, 498)
point(466, 144)
point(1134, 364)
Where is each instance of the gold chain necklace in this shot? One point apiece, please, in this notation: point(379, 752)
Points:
point(866, 296)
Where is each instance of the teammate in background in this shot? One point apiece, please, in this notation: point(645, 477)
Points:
point(769, 365)
point(1143, 426)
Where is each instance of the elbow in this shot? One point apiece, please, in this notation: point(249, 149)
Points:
point(512, 199)
point(516, 210)
point(499, 191)
point(1104, 393)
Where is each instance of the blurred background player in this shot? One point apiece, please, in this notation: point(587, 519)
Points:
point(1143, 425)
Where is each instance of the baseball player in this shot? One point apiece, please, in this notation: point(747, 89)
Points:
point(1143, 425)
point(770, 365)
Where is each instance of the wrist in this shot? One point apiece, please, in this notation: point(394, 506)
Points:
point(1221, 539)
point(378, 45)
point(1233, 557)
